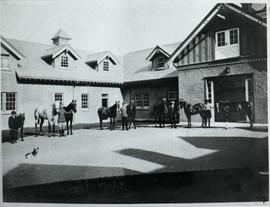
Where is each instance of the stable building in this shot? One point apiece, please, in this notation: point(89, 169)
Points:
point(34, 74)
point(224, 59)
point(148, 79)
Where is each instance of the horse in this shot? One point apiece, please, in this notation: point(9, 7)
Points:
point(160, 110)
point(45, 112)
point(20, 121)
point(189, 110)
point(228, 107)
point(108, 112)
point(69, 110)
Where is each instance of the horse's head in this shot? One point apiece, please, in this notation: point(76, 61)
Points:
point(74, 106)
point(181, 103)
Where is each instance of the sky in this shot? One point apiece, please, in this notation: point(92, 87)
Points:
point(119, 26)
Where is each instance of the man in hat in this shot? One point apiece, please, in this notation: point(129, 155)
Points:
point(13, 127)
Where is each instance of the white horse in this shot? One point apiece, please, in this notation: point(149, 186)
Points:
point(45, 112)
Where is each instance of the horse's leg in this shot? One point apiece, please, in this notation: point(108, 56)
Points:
point(53, 128)
point(113, 123)
point(22, 133)
point(100, 123)
point(67, 127)
point(49, 128)
point(41, 123)
point(36, 128)
point(70, 126)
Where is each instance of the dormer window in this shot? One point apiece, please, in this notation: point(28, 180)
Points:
point(160, 62)
point(5, 62)
point(106, 65)
point(64, 61)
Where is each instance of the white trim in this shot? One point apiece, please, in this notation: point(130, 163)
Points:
point(16, 52)
point(157, 49)
point(193, 35)
point(67, 48)
point(108, 54)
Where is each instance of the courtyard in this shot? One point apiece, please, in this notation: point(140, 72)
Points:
point(102, 157)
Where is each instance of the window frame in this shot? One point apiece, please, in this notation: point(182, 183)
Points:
point(105, 96)
point(170, 92)
point(4, 102)
point(227, 37)
point(163, 63)
point(142, 100)
point(5, 56)
point(62, 95)
point(106, 66)
point(85, 101)
point(64, 63)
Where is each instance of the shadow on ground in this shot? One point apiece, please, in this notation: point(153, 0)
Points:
point(233, 185)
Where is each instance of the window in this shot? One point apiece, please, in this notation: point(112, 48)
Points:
point(5, 62)
point(141, 100)
point(172, 95)
point(160, 62)
point(104, 100)
point(64, 61)
point(221, 39)
point(106, 65)
point(8, 101)
point(233, 36)
point(58, 97)
point(85, 103)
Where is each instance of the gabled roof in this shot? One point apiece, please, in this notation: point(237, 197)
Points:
point(137, 68)
point(18, 55)
point(61, 33)
point(57, 50)
point(207, 19)
point(99, 57)
point(35, 68)
point(155, 51)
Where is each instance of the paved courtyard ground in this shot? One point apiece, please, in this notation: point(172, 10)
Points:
point(93, 154)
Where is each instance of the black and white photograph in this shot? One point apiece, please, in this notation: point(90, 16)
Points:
point(144, 102)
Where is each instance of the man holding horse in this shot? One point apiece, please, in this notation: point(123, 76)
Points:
point(61, 120)
point(173, 112)
point(131, 111)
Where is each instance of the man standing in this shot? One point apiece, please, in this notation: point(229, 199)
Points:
point(131, 111)
point(123, 112)
point(172, 114)
point(13, 127)
point(61, 120)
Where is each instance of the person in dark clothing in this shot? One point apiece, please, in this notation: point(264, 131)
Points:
point(123, 112)
point(13, 127)
point(131, 112)
point(172, 114)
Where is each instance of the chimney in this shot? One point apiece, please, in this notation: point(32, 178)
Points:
point(61, 38)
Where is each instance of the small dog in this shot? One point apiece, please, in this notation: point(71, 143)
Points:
point(33, 153)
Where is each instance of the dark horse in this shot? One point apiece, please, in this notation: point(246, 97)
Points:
point(69, 110)
point(228, 107)
point(160, 110)
point(108, 112)
point(189, 110)
point(20, 121)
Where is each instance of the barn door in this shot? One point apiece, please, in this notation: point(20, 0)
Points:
point(209, 95)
